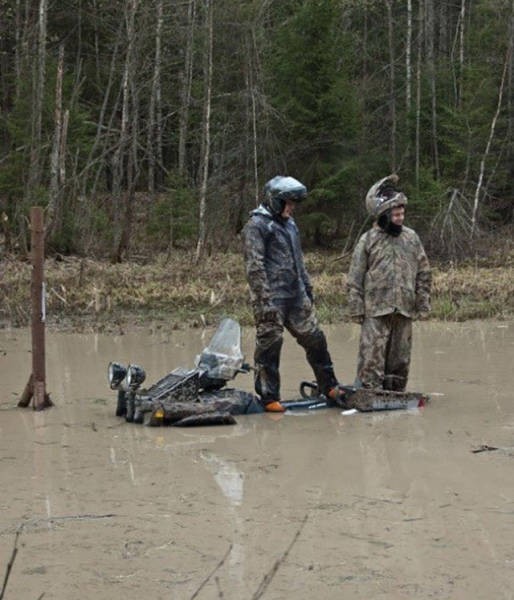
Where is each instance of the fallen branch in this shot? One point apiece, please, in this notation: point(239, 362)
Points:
point(204, 582)
point(85, 517)
point(33, 523)
point(484, 448)
point(267, 579)
point(507, 450)
point(10, 564)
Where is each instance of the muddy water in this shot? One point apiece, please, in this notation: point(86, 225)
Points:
point(386, 505)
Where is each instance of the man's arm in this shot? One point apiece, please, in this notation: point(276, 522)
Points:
point(254, 253)
point(355, 284)
point(299, 260)
point(306, 279)
point(423, 282)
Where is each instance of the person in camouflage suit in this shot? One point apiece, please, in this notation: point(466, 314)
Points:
point(388, 287)
point(281, 293)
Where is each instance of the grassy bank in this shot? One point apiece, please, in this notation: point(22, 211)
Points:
point(83, 294)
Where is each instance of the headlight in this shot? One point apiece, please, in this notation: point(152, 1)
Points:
point(116, 374)
point(135, 376)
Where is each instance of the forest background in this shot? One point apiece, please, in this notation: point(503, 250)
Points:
point(148, 128)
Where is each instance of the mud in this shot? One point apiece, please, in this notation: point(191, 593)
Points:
point(384, 505)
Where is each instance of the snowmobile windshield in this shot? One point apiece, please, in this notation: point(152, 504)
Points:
point(222, 358)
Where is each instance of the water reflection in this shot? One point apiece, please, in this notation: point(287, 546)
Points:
point(231, 482)
point(227, 476)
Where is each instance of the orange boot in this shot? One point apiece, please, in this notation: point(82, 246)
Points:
point(336, 395)
point(274, 406)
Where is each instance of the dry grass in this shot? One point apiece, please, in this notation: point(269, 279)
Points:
point(87, 294)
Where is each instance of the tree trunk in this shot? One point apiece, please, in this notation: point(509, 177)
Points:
point(408, 55)
point(101, 128)
point(17, 48)
point(462, 21)
point(476, 200)
point(185, 93)
point(430, 39)
point(252, 84)
point(509, 86)
point(54, 204)
point(206, 134)
point(120, 157)
point(34, 178)
point(154, 132)
point(392, 84)
point(418, 88)
point(21, 37)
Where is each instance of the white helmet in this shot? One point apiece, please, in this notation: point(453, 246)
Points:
point(383, 195)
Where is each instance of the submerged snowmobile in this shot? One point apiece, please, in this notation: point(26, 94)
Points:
point(200, 395)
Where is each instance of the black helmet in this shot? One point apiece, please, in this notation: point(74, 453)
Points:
point(279, 189)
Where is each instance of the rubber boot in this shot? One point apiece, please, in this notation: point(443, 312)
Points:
point(274, 406)
point(336, 395)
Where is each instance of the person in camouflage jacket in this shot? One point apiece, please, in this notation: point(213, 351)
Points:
point(281, 293)
point(388, 287)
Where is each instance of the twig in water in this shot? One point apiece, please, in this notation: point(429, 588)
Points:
point(484, 448)
point(10, 563)
point(211, 574)
point(220, 591)
point(266, 580)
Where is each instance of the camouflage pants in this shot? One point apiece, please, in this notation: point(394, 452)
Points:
point(301, 322)
point(384, 352)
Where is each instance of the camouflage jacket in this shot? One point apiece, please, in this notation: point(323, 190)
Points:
point(274, 260)
point(389, 274)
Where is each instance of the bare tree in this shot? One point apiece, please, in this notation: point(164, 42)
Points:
point(121, 149)
point(56, 157)
point(509, 82)
point(154, 131)
point(408, 59)
point(392, 85)
point(462, 22)
point(418, 87)
point(253, 93)
point(21, 37)
point(492, 128)
point(206, 133)
point(185, 92)
point(34, 178)
point(101, 139)
point(430, 46)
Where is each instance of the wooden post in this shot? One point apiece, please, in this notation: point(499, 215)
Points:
point(36, 385)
